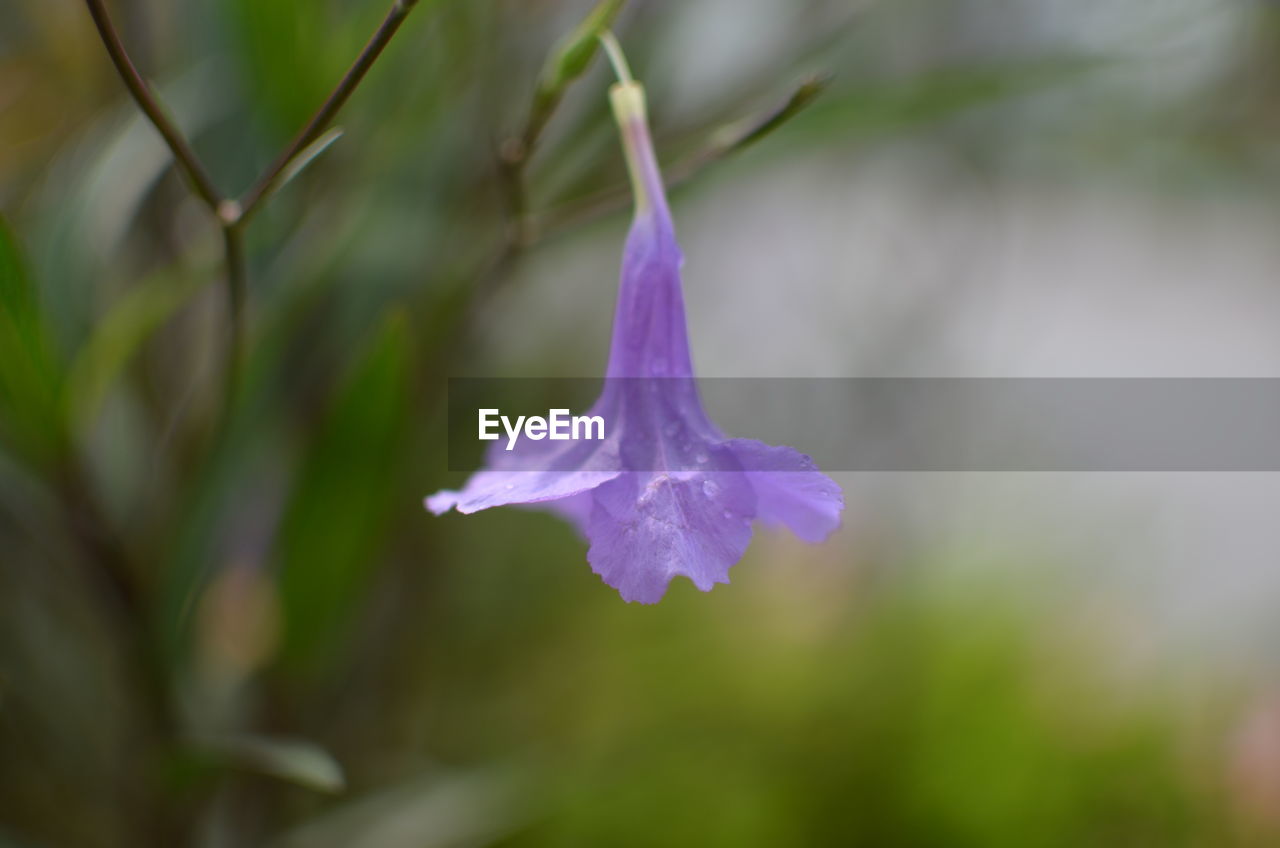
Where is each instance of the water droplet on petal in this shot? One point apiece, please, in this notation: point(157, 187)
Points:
point(701, 459)
point(728, 513)
point(709, 488)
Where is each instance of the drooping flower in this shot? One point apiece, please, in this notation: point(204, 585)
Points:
point(665, 493)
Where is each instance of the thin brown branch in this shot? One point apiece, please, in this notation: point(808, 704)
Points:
point(267, 183)
point(227, 212)
point(231, 214)
point(185, 157)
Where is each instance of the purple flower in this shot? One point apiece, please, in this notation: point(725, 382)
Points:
point(666, 493)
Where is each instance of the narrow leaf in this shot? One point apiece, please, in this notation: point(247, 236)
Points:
point(331, 533)
point(566, 62)
point(307, 156)
point(30, 379)
point(429, 811)
point(294, 760)
point(127, 325)
point(570, 57)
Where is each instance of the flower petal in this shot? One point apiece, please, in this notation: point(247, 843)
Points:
point(647, 528)
point(534, 472)
point(790, 490)
point(576, 509)
point(488, 489)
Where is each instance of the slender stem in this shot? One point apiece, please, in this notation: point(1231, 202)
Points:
point(262, 189)
point(186, 158)
point(723, 143)
point(616, 57)
point(237, 285)
point(566, 62)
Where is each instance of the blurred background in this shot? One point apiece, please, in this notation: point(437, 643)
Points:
point(237, 626)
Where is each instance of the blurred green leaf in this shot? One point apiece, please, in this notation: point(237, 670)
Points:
point(570, 57)
point(307, 156)
point(330, 535)
point(119, 334)
point(293, 52)
point(30, 379)
point(425, 812)
point(294, 760)
point(908, 716)
point(894, 105)
point(7, 841)
point(747, 131)
point(567, 61)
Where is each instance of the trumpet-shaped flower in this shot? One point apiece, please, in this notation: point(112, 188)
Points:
point(666, 493)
